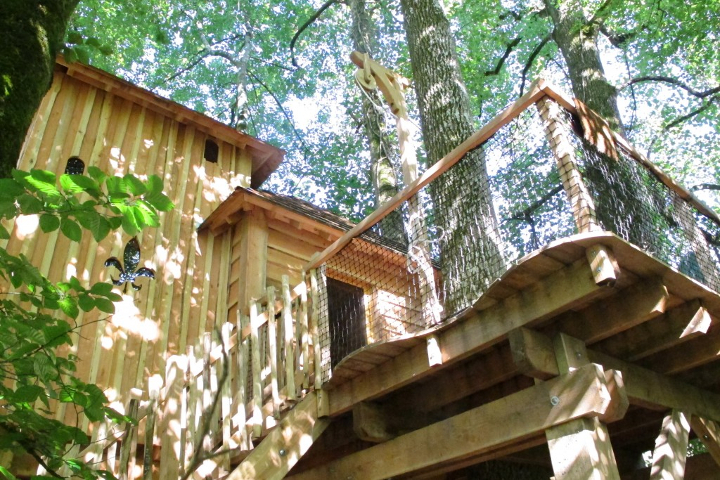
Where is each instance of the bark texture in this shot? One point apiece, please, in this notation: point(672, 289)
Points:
point(383, 176)
point(577, 39)
point(32, 32)
point(464, 213)
point(624, 201)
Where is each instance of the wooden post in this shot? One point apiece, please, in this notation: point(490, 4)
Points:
point(154, 385)
point(170, 460)
point(583, 207)
point(257, 417)
point(272, 352)
point(314, 331)
point(242, 359)
point(304, 333)
point(226, 405)
point(671, 445)
point(709, 434)
point(289, 347)
point(579, 449)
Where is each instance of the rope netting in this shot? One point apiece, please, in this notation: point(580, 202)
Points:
point(532, 182)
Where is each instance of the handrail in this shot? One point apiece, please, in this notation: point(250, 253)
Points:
point(538, 89)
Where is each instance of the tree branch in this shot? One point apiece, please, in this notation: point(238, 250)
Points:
point(305, 25)
point(680, 120)
point(282, 109)
point(531, 59)
point(705, 186)
point(508, 50)
point(672, 81)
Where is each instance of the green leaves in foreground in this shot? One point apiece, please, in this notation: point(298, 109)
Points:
point(76, 202)
point(37, 321)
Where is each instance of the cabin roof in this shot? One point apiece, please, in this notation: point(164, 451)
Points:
point(312, 216)
point(265, 157)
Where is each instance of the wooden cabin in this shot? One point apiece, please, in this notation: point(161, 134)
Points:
point(279, 340)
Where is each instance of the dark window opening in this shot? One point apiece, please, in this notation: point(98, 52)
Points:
point(346, 312)
point(211, 151)
point(75, 166)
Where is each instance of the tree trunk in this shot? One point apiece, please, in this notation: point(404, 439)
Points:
point(623, 198)
point(33, 32)
point(577, 41)
point(382, 173)
point(464, 214)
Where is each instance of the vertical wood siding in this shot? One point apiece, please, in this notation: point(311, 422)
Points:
point(189, 295)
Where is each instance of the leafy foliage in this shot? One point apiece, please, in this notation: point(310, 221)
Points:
point(38, 318)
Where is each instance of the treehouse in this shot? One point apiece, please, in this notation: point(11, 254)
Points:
point(547, 301)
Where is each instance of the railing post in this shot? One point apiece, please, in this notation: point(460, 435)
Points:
point(289, 353)
point(583, 207)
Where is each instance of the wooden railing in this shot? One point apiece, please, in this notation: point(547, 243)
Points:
point(221, 397)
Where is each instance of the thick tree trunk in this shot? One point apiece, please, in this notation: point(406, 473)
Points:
point(624, 202)
point(578, 43)
point(382, 173)
point(464, 213)
point(32, 32)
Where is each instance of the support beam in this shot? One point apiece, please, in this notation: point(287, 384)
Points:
point(580, 449)
point(602, 262)
point(657, 391)
point(533, 354)
point(709, 434)
point(632, 306)
point(668, 462)
point(285, 445)
point(675, 326)
point(379, 423)
point(506, 421)
point(558, 292)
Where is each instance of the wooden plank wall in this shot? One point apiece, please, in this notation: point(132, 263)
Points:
point(174, 310)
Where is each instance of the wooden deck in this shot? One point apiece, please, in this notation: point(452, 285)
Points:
point(500, 387)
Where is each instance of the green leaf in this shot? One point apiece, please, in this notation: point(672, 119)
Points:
point(27, 393)
point(95, 223)
point(101, 289)
point(4, 234)
point(115, 186)
point(154, 184)
point(69, 307)
point(49, 222)
point(134, 185)
point(148, 216)
point(80, 183)
point(98, 175)
point(71, 229)
point(104, 305)
point(74, 37)
point(8, 475)
point(29, 204)
point(10, 188)
point(86, 302)
point(159, 201)
point(43, 182)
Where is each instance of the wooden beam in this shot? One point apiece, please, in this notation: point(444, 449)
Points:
point(709, 434)
point(629, 307)
point(704, 349)
point(675, 326)
point(379, 423)
point(657, 391)
point(580, 449)
point(534, 93)
point(285, 445)
point(668, 461)
point(602, 262)
point(533, 354)
point(559, 292)
point(506, 421)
